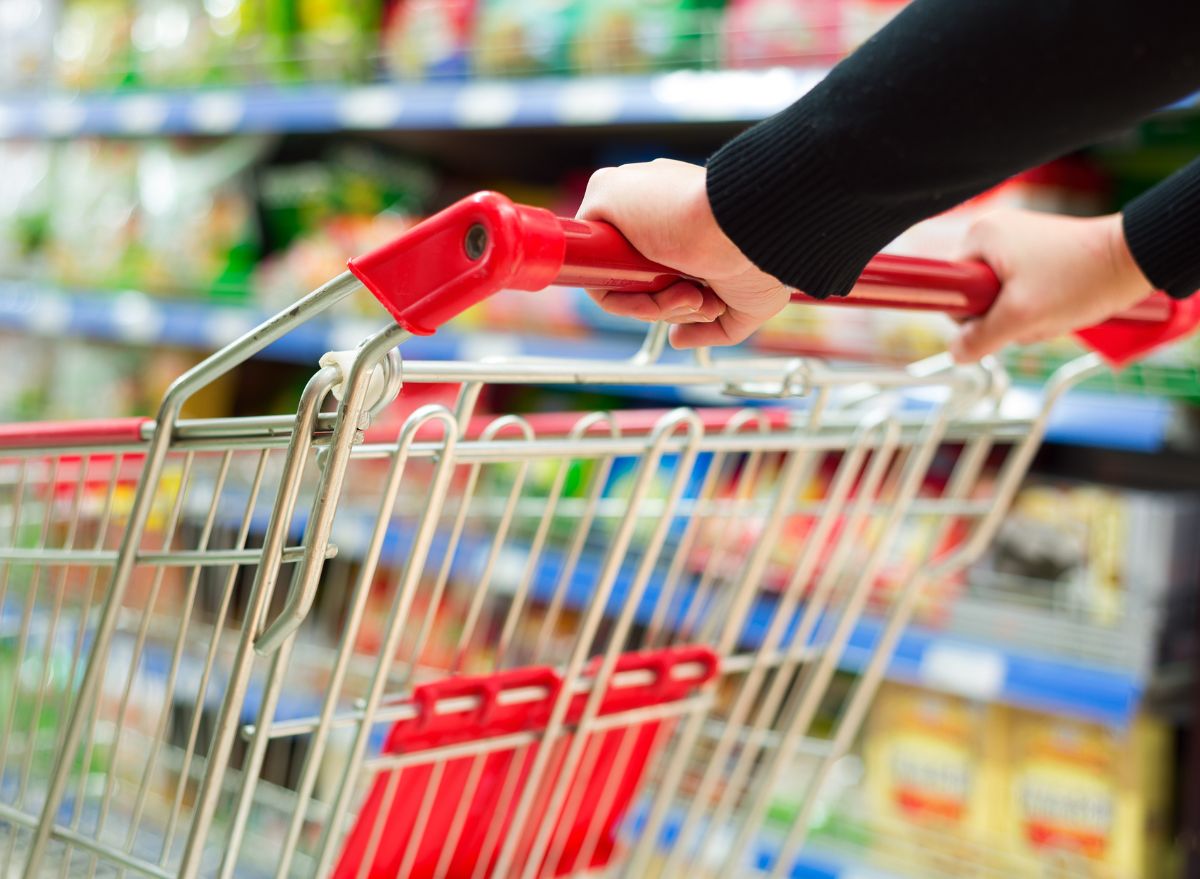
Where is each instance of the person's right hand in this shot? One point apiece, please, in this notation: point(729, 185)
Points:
point(1057, 274)
point(662, 208)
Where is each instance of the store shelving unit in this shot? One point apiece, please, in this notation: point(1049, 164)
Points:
point(1105, 690)
point(135, 318)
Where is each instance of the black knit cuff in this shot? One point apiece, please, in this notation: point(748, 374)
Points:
point(778, 199)
point(1162, 229)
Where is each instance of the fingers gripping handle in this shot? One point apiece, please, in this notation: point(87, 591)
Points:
point(485, 243)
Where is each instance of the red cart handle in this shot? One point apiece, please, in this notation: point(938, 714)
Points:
point(485, 243)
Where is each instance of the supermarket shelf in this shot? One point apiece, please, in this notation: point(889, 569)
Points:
point(1123, 422)
point(134, 318)
point(1127, 422)
point(816, 860)
point(668, 98)
point(1025, 678)
point(681, 96)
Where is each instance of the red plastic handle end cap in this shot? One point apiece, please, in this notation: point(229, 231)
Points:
point(459, 257)
point(1122, 341)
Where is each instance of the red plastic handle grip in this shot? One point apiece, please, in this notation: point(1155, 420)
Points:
point(598, 256)
point(486, 243)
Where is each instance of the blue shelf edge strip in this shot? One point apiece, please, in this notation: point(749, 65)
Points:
point(669, 97)
point(679, 96)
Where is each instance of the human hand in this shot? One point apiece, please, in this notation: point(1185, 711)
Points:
point(1057, 273)
point(662, 208)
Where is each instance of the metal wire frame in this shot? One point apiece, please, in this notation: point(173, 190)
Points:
point(774, 672)
point(720, 749)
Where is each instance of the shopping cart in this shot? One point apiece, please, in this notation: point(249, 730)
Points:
point(473, 646)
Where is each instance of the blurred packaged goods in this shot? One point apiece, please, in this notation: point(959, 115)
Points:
point(1091, 552)
point(173, 42)
point(862, 18)
point(195, 218)
point(933, 761)
point(337, 39)
point(1085, 799)
point(765, 33)
point(176, 218)
point(111, 44)
point(428, 38)
point(197, 226)
point(523, 36)
point(93, 46)
point(318, 213)
point(995, 790)
point(25, 203)
point(70, 379)
point(27, 29)
point(622, 36)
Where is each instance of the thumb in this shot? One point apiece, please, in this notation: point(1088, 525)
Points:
point(986, 335)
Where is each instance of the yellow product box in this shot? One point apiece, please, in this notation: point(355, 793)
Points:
point(1085, 799)
point(934, 767)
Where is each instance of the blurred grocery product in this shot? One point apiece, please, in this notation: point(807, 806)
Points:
point(1092, 552)
point(933, 761)
point(623, 36)
point(766, 33)
point(27, 29)
point(862, 18)
point(198, 234)
point(319, 213)
point(428, 38)
point(337, 39)
point(994, 790)
point(24, 389)
point(93, 45)
point(177, 219)
point(93, 223)
point(172, 42)
point(357, 180)
point(524, 36)
point(1087, 800)
point(25, 204)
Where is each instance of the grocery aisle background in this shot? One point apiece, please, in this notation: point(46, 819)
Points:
point(172, 170)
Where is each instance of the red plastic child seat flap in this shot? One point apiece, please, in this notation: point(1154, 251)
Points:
point(449, 817)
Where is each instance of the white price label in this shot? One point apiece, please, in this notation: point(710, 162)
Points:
point(217, 112)
point(589, 103)
point(63, 116)
point(142, 114)
point(371, 107)
point(975, 672)
point(486, 105)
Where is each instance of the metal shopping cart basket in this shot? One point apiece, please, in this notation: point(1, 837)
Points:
point(601, 643)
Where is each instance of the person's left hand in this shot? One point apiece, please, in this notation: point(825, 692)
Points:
point(662, 208)
point(1057, 273)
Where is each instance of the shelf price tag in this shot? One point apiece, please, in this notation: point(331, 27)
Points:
point(974, 672)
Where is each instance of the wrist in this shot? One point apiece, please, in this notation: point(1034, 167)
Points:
point(718, 250)
point(1129, 281)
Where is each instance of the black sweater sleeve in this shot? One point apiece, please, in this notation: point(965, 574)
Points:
point(1162, 229)
point(949, 99)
